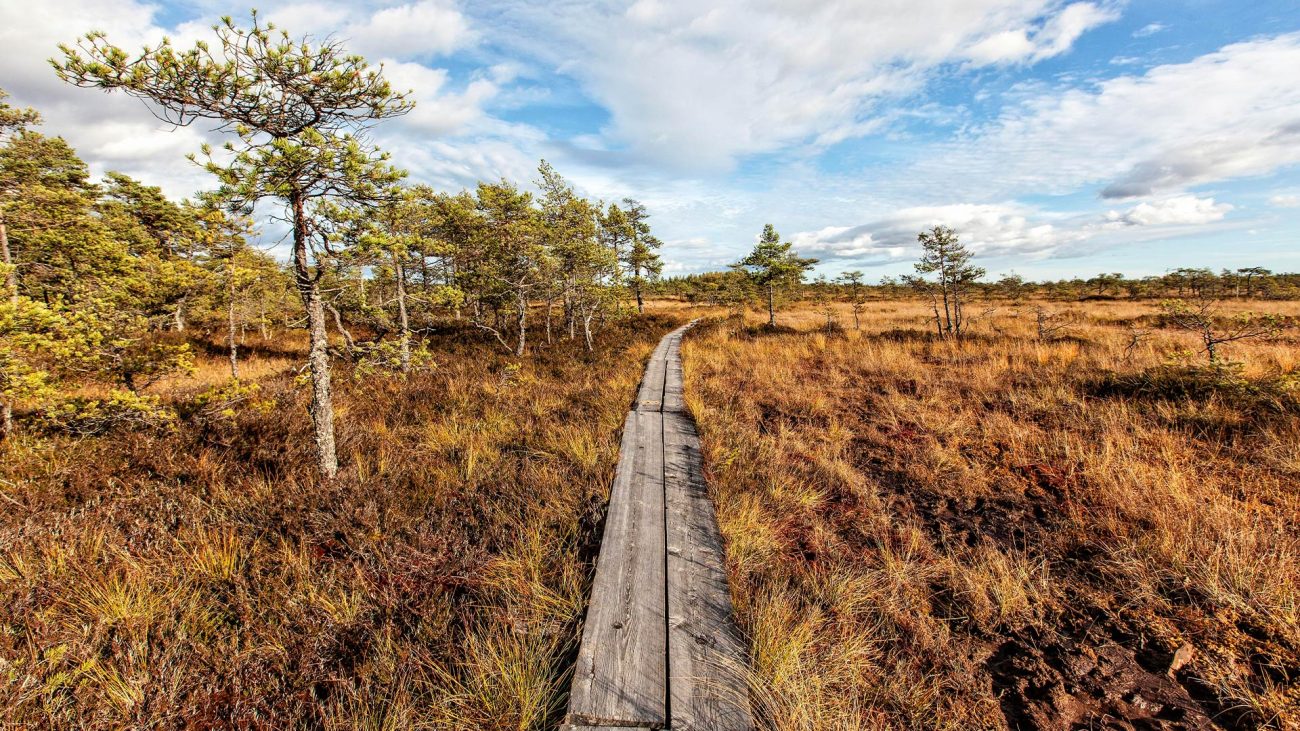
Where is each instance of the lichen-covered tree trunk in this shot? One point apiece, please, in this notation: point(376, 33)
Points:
point(11, 287)
point(586, 329)
point(230, 321)
point(550, 306)
point(521, 317)
point(11, 274)
point(318, 359)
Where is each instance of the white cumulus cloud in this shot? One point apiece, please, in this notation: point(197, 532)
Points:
point(990, 229)
point(1007, 229)
point(425, 28)
point(1178, 210)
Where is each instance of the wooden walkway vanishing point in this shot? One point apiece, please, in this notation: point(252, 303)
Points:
point(660, 648)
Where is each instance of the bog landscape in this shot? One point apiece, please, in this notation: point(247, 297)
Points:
point(373, 426)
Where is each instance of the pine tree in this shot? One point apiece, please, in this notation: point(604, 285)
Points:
point(641, 254)
point(857, 295)
point(513, 256)
point(942, 253)
point(224, 240)
point(160, 236)
point(583, 265)
point(12, 120)
point(296, 110)
point(616, 233)
point(773, 266)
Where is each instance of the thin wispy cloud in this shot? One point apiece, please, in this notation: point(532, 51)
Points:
point(1149, 29)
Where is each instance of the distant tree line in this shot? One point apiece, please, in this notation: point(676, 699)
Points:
point(945, 275)
point(723, 288)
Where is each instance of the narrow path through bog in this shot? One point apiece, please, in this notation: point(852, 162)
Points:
point(660, 647)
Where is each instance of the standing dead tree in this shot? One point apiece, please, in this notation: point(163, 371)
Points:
point(1049, 325)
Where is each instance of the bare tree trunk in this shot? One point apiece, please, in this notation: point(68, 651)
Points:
point(349, 344)
point(771, 305)
point(230, 317)
point(938, 323)
point(178, 317)
point(11, 286)
point(956, 311)
point(947, 308)
point(550, 304)
point(403, 322)
point(569, 312)
point(640, 302)
point(318, 359)
point(11, 274)
point(521, 318)
point(586, 330)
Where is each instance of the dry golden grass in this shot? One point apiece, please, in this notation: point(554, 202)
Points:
point(199, 575)
point(1005, 533)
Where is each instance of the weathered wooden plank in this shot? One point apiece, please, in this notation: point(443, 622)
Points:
point(673, 376)
point(706, 655)
point(621, 677)
point(651, 393)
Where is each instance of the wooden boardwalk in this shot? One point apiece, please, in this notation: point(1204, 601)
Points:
point(660, 647)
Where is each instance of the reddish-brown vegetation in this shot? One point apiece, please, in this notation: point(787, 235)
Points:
point(200, 574)
point(1006, 533)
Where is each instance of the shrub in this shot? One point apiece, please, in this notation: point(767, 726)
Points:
point(1225, 380)
point(91, 416)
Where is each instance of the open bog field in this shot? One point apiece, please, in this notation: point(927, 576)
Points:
point(199, 574)
point(1089, 532)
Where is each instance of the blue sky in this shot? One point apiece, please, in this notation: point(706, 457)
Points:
point(1060, 138)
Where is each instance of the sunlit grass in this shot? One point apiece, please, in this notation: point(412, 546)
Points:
point(202, 576)
point(876, 490)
